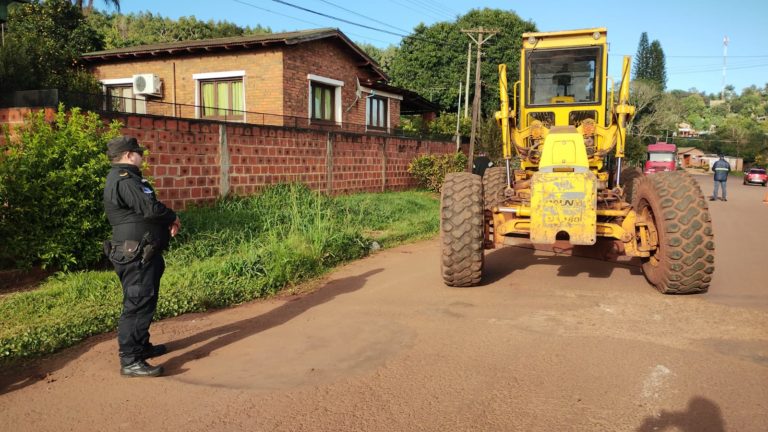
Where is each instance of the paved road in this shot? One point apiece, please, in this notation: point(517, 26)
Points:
point(549, 343)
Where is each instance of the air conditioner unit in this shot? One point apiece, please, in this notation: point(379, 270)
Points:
point(147, 84)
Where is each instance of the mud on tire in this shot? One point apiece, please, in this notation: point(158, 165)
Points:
point(672, 202)
point(494, 183)
point(461, 229)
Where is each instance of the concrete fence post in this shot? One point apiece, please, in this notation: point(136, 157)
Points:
point(329, 163)
point(384, 164)
point(223, 161)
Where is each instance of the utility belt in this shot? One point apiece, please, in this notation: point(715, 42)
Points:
point(128, 251)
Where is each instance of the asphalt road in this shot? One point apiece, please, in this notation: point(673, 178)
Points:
point(550, 342)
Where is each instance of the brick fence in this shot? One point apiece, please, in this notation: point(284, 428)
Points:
point(198, 161)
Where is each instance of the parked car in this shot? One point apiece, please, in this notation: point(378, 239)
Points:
point(756, 176)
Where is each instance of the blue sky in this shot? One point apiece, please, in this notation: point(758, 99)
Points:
point(690, 32)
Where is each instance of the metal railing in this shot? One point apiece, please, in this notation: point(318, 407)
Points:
point(123, 105)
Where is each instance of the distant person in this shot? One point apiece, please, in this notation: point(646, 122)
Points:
point(481, 163)
point(141, 229)
point(721, 168)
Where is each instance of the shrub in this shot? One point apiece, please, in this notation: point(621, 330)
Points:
point(51, 182)
point(430, 170)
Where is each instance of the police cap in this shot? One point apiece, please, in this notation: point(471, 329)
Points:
point(120, 144)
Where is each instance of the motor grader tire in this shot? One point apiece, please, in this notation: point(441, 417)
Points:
point(461, 229)
point(674, 208)
point(494, 183)
point(628, 180)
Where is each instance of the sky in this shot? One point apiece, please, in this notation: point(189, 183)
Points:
point(691, 32)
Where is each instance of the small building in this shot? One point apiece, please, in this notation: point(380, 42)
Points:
point(685, 130)
point(302, 78)
point(688, 157)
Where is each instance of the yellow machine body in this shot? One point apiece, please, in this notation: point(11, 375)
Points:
point(562, 125)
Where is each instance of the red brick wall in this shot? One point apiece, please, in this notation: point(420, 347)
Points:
point(185, 158)
point(13, 117)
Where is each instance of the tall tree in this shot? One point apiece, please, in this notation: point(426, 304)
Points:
point(658, 68)
point(43, 46)
point(432, 60)
point(642, 58)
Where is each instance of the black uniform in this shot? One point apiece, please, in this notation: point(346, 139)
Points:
point(140, 224)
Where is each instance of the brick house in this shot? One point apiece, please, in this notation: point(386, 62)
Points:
point(303, 78)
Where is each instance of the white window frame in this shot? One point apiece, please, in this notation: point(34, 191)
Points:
point(336, 96)
point(121, 82)
point(214, 76)
point(389, 96)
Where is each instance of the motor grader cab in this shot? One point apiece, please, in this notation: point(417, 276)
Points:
point(567, 129)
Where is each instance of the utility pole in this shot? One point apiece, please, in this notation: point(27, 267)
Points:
point(482, 36)
point(725, 57)
point(466, 94)
point(458, 121)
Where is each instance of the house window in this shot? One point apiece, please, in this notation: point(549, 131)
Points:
point(324, 105)
point(377, 115)
point(120, 98)
point(222, 99)
point(323, 102)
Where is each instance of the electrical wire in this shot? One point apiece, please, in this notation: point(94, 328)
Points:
point(283, 2)
point(363, 16)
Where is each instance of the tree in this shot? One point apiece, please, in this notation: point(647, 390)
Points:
point(650, 64)
point(658, 69)
point(642, 58)
point(43, 46)
point(432, 60)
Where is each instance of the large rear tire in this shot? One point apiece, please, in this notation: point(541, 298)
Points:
point(461, 229)
point(494, 183)
point(674, 207)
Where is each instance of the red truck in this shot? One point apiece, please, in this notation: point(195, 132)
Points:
point(661, 157)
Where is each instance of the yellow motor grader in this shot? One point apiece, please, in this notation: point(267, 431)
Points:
point(568, 131)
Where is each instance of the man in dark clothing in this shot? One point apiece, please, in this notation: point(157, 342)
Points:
point(721, 168)
point(141, 229)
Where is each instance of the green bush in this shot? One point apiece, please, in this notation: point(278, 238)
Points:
point(238, 250)
point(430, 170)
point(51, 182)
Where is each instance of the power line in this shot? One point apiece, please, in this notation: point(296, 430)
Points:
point(337, 18)
point(308, 22)
point(363, 16)
point(407, 6)
point(277, 13)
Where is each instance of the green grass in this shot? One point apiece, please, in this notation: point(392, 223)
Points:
point(238, 250)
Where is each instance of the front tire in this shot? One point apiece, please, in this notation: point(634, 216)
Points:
point(462, 229)
point(674, 208)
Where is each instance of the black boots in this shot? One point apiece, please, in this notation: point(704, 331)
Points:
point(141, 369)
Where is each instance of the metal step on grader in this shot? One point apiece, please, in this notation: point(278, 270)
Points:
point(569, 132)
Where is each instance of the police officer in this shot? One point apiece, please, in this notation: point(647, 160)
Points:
point(721, 168)
point(141, 229)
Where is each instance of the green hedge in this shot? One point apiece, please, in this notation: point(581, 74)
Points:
point(236, 251)
point(51, 182)
point(430, 170)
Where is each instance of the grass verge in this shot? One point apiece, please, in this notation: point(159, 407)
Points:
point(238, 250)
